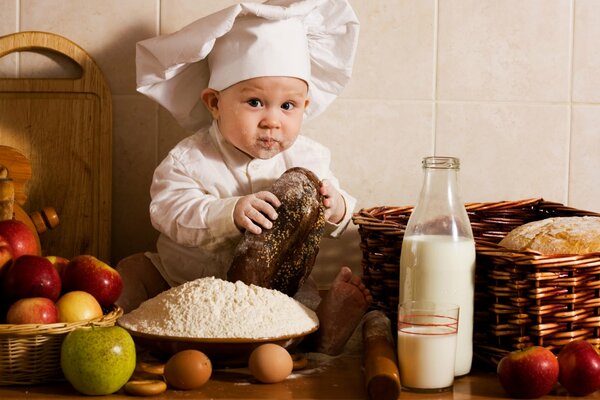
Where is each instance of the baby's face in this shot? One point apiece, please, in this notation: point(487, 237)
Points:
point(262, 116)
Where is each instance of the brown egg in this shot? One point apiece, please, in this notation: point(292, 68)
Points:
point(188, 369)
point(270, 363)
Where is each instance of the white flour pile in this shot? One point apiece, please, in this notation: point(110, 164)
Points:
point(214, 308)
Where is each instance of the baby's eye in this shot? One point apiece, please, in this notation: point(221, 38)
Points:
point(287, 106)
point(254, 103)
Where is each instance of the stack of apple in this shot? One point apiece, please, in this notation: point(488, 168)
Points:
point(40, 289)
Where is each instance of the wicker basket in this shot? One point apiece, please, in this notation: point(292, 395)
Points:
point(521, 298)
point(30, 354)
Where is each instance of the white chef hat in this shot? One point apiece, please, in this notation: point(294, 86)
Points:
point(314, 40)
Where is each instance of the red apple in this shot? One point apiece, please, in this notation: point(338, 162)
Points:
point(6, 255)
point(579, 363)
point(32, 310)
point(20, 237)
point(59, 263)
point(31, 276)
point(528, 373)
point(89, 274)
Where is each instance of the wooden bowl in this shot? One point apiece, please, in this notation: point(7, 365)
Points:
point(224, 352)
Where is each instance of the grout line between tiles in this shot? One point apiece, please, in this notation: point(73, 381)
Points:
point(435, 75)
point(156, 109)
point(158, 17)
point(18, 26)
point(570, 97)
point(18, 15)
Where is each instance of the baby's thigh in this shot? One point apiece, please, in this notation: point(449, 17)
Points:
point(141, 281)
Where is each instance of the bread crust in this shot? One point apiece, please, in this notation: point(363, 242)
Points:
point(558, 235)
point(283, 257)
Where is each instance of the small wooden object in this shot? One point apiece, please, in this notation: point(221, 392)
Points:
point(45, 219)
point(7, 195)
point(18, 168)
point(15, 173)
point(381, 367)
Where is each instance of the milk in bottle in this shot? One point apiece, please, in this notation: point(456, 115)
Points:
point(437, 262)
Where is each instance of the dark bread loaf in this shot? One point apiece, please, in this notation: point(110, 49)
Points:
point(283, 257)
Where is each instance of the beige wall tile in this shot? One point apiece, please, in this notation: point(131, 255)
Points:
point(169, 133)
point(134, 155)
point(8, 24)
point(586, 51)
point(507, 151)
point(175, 14)
point(503, 50)
point(376, 147)
point(8, 16)
point(46, 64)
point(395, 52)
point(584, 187)
point(106, 29)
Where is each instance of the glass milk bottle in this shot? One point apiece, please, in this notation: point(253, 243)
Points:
point(437, 261)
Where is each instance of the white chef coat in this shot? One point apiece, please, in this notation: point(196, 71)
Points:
point(194, 191)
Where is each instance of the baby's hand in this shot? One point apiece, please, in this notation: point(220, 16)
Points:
point(256, 210)
point(335, 206)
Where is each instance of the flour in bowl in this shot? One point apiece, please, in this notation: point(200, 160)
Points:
point(214, 308)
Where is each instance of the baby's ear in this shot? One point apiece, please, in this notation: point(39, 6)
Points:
point(210, 98)
point(306, 103)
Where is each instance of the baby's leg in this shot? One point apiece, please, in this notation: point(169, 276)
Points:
point(340, 311)
point(141, 281)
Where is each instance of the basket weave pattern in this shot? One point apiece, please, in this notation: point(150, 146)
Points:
point(30, 353)
point(521, 298)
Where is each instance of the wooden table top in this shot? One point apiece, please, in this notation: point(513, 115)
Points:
point(324, 378)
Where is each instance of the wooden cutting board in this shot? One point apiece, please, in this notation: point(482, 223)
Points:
point(64, 127)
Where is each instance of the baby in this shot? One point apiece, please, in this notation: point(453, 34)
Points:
point(245, 79)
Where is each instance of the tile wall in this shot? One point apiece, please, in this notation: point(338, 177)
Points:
point(512, 87)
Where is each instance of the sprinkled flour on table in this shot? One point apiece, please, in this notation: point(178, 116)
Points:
point(214, 308)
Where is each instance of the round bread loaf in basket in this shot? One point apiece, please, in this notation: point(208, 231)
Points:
point(30, 353)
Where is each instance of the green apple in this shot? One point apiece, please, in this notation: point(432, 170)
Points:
point(98, 360)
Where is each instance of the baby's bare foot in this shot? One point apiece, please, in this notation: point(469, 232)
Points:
point(340, 311)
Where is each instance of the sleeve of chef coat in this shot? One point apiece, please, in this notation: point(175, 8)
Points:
point(184, 212)
point(335, 230)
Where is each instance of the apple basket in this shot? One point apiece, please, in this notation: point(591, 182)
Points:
point(30, 353)
point(522, 298)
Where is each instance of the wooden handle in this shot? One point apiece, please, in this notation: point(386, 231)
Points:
point(380, 362)
point(45, 219)
point(36, 41)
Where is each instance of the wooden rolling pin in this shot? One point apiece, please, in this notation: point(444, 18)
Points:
point(380, 362)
